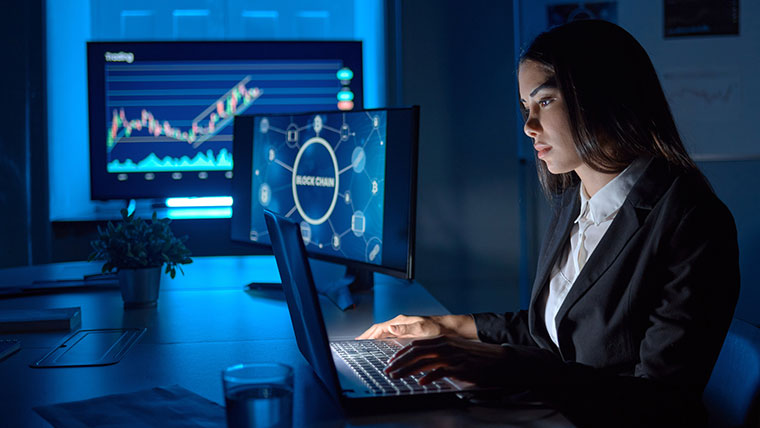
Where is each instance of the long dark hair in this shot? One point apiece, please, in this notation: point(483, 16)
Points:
point(616, 107)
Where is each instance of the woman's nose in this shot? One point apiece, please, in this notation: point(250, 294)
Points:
point(532, 127)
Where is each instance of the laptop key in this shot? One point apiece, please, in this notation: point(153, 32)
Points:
point(443, 386)
point(417, 388)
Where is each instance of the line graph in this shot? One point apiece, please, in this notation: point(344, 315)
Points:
point(177, 115)
point(703, 91)
point(224, 109)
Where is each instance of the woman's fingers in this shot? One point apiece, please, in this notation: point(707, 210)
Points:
point(444, 356)
point(367, 333)
point(414, 329)
point(437, 374)
point(377, 331)
point(416, 346)
point(423, 364)
point(403, 326)
point(417, 357)
point(381, 330)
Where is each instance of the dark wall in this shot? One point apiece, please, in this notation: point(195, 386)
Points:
point(731, 179)
point(457, 63)
point(24, 226)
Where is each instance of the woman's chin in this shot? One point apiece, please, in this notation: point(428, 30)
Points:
point(552, 168)
point(557, 168)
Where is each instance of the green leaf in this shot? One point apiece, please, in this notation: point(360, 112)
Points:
point(135, 243)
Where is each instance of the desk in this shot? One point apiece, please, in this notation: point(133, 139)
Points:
point(205, 322)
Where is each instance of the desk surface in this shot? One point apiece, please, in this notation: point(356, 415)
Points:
point(205, 322)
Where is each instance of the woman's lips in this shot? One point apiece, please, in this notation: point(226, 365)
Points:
point(542, 150)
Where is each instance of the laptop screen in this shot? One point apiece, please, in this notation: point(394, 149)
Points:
point(302, 299)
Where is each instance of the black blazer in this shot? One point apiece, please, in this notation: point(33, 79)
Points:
point(648, 313)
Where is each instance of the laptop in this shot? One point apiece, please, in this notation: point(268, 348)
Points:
point(351, 370)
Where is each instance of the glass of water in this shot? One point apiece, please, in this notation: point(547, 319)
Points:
point(258, 395)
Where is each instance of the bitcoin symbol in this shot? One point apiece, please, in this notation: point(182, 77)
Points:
point(374, 187)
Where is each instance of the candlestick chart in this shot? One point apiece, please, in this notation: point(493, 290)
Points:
point(175, 116)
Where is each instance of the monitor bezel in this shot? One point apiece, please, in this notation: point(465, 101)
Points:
point(107, 186)
point(242, 192)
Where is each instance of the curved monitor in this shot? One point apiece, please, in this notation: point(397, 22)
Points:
point(161, 112)
point(348, 178)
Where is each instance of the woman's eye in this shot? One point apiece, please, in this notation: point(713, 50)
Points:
point(546, 102)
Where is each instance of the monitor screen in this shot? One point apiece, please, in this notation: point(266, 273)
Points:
point(348, 178)
point(161, 112)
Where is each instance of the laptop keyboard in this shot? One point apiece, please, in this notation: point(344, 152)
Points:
point(368, 358)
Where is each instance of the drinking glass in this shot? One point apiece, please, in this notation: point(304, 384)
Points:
point(258, 395)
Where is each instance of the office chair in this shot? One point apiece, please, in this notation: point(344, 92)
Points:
point(731, 395)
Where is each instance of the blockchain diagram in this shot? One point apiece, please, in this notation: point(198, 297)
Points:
point(326, 171)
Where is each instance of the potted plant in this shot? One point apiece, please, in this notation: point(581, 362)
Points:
point(138, 250)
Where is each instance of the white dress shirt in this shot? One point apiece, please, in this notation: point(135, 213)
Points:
point(596, 215)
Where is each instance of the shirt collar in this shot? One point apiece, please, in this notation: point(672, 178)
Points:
point(608, 200)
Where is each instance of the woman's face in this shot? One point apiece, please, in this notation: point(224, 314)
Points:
point(547, 121)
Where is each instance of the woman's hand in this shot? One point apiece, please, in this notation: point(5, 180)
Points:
point(480, 363)
point(404, 326)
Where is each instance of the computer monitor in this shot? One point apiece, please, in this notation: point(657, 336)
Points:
point(348, 178)
point(161, 113)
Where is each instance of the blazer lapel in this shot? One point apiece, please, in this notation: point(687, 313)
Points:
point(568, 213)
point(628, 220)
point(626, 223)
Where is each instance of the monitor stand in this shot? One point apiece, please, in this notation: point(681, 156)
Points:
point(339, 291)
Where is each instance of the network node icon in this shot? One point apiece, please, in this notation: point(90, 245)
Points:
point(358, 223)
point(374, 187)
point(375, 251)
point(292, 134)
point(375, 121)
point(265, 194)
point(317, 124)
point(306, 232)
point(264, 125)
point(254, 236)
point(271, 154)
point(347, 197)
point(358, 159)
point(335, 242)
point(373, 248)
point(345, 131)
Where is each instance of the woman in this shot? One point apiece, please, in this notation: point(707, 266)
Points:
point(638, 274)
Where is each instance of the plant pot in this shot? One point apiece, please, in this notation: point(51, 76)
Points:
point(139, 287)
